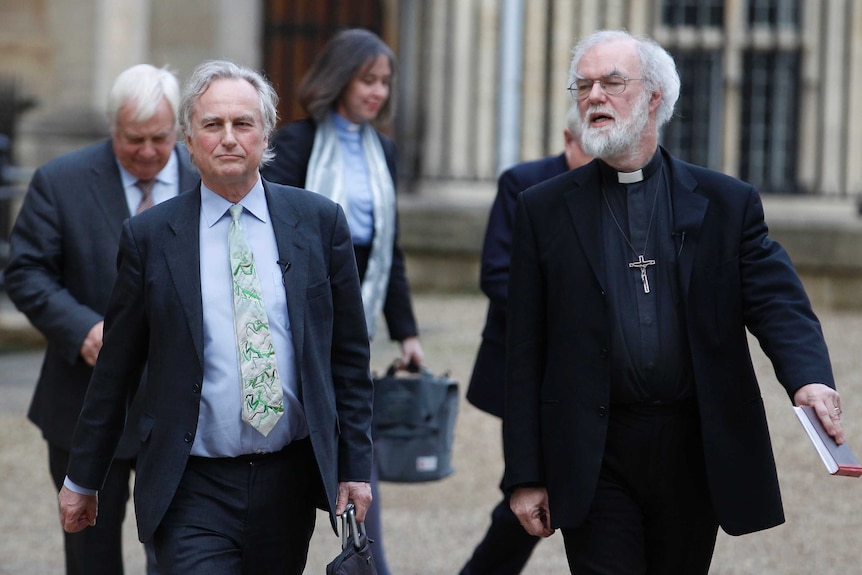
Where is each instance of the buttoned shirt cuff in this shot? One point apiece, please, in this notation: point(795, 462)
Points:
point(75, 488)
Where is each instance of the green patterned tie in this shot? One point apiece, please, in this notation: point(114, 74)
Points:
point(262, 400)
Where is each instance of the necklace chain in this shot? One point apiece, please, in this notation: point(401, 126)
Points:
point(651, 217)
point(641, 263)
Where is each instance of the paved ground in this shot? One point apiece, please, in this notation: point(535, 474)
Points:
point(431, 529)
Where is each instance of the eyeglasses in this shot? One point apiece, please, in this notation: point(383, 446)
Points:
point(613, 85)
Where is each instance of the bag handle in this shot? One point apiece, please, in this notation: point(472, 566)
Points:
point(411, 367)
point(351, 529)
point(397, 366)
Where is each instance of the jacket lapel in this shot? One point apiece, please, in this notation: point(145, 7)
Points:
point(182, 255)
point(292, 241)
point(689, 209)
point(106, 187)
point(583, 200)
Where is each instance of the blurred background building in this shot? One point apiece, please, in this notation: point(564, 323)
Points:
point(769, 86)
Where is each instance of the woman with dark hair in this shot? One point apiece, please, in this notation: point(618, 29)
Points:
point(337, 152)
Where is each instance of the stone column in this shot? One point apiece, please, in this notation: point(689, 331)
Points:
point(854, 116)
point(736, 30)
point(533, 88)
point(485, 103)
point(810, 120)
point(436, 86)
point(239, 26)
point(834, 103)
point(121, 39)
point(462, 106)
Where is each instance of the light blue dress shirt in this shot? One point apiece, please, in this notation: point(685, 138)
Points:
point(360, 206)
point(221, 430)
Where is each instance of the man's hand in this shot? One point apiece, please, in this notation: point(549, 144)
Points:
point(77, 511)
point(357, 492)
point(92, 344)
point(411, 352)
point(826, 403)
point(530, 506)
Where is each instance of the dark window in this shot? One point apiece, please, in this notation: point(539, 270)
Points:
point(769, 132)
point(694, 134)
point(693, 13)
point(774, 13)
point(769, 135)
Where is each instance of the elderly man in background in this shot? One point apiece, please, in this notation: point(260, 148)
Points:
point(63, 264)
point(506, 547)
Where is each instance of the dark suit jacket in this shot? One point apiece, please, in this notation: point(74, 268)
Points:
point(732, 276)
point(292, 144)
point(489, 372)
point(62, 267)
point(156, 315)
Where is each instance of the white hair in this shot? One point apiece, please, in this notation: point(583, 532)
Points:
point(143, 86)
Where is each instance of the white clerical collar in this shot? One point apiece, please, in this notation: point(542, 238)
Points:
point(630, 177)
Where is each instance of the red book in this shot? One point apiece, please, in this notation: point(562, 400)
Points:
point(838, 459)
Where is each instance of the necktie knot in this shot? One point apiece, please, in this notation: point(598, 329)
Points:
point(235, 212)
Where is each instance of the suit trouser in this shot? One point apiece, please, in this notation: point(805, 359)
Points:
point(247, 515)
point(651, 513)
point(98, 550)
point(374, 523)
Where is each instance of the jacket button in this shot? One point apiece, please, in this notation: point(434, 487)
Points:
point(189, 437)
point(196, 388)
point(603, 411)
point(604, 354)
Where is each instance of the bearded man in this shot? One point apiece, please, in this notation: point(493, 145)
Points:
point(633, 417)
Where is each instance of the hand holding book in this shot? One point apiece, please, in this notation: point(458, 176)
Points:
point(838, 459)
point(826, 405)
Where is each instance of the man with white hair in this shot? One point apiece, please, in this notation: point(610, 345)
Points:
point(63, 265)
point(633, 418)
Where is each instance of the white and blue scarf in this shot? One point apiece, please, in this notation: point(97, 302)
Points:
point(326, 177)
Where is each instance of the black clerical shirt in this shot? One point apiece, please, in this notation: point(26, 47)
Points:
point(649, 354)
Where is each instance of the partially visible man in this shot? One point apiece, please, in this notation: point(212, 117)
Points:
point(257, 404)
point(633, 417)
point(63, 264)
point(506, 547)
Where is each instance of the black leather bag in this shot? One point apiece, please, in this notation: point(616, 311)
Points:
point(355, 557)
point(414, 424)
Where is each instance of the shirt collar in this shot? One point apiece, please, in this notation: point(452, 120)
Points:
point(214, 207)
point(610, 175)
point(342, 124)
point(168, 175)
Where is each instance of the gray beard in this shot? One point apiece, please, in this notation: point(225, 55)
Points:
point(622, 139)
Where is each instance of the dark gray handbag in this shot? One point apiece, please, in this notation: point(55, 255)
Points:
point(355, 557)
point(414, 424)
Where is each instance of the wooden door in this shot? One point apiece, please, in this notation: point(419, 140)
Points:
point(295, 30)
